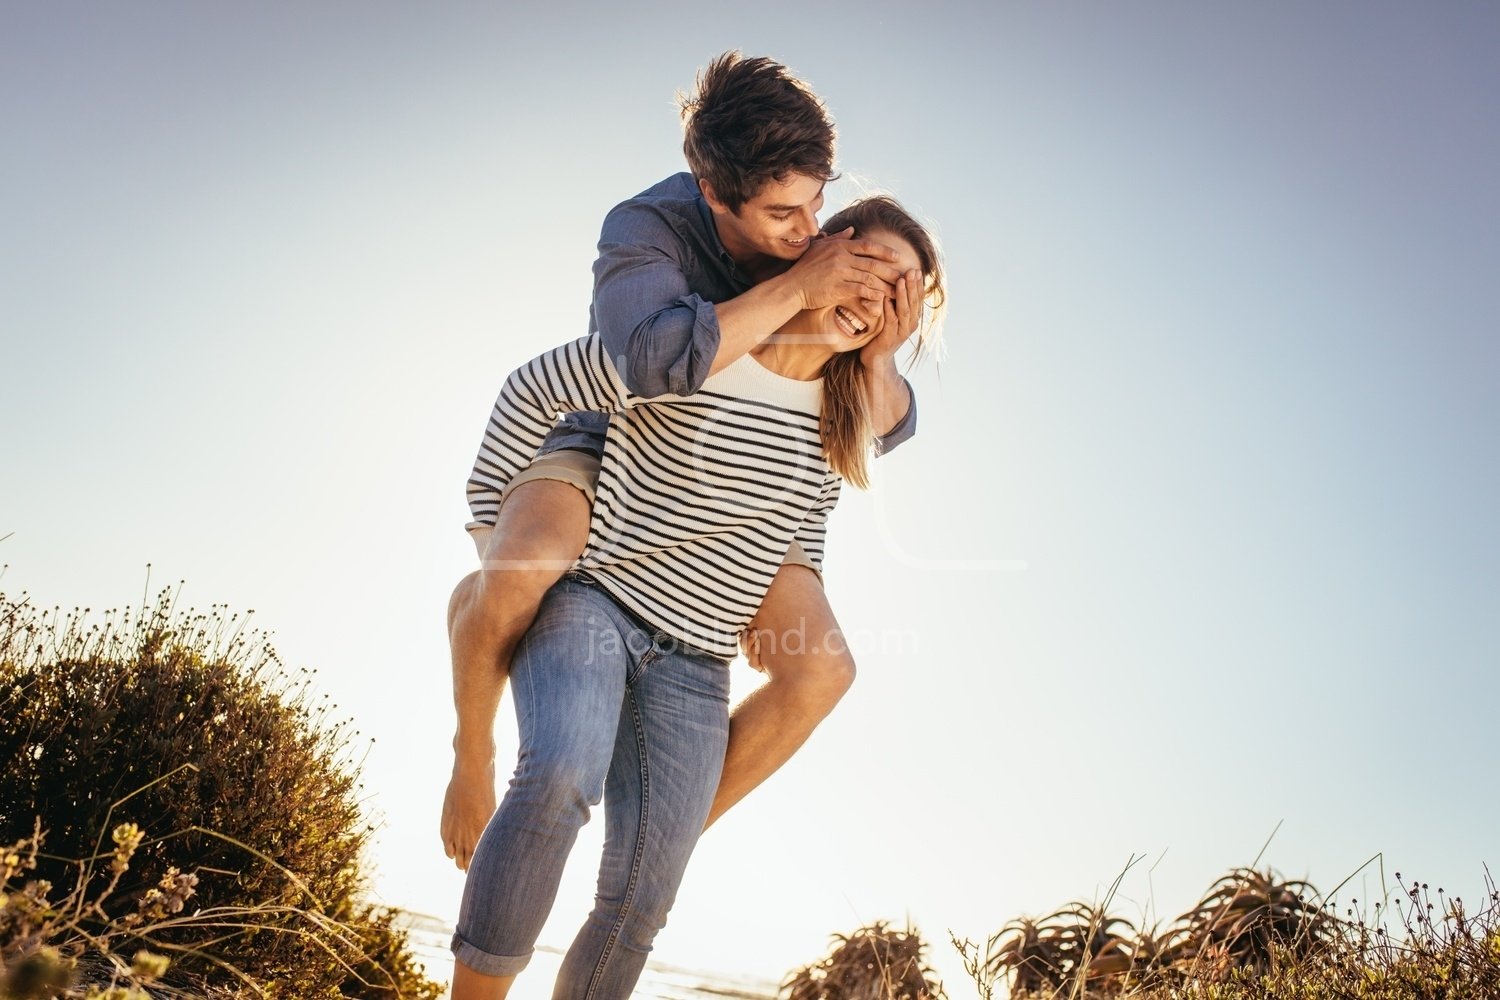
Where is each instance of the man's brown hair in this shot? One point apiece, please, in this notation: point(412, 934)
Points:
point(750, 121)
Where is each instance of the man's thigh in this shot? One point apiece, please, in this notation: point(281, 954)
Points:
point(568, 674)
point(680, 710)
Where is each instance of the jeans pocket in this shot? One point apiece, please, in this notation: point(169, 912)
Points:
point(647, 657)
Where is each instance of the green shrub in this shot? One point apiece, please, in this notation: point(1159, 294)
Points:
point(185, 724)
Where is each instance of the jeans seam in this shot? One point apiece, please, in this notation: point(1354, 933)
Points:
point(640, 847)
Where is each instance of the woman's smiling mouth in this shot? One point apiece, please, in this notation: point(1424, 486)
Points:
point(848, 322)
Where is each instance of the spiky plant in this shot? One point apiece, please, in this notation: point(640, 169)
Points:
point(1073, 945)
point(873, 963)
point(1246, 921)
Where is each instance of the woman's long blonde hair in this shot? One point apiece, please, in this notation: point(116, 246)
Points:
point(848, 435)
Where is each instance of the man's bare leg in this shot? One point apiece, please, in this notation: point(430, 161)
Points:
point(810, 669)
point(541, 530)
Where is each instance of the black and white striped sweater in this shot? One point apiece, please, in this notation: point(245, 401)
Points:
point(699, 496)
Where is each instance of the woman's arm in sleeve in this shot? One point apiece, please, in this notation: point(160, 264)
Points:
point(575, 376)
point(894, 397)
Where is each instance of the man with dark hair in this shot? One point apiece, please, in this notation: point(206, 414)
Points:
point(692, 274)
point(747, 123)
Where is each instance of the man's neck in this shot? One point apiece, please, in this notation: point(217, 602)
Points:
point(762, 267)
point(755, 265)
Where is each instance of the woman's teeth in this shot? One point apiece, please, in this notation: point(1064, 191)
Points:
point(850, 320)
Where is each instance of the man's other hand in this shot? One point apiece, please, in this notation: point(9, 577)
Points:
point(838, 268)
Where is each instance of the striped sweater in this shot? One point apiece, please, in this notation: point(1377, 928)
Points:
point(699, 496)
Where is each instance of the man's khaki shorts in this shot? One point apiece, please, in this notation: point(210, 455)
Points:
point(580, 469)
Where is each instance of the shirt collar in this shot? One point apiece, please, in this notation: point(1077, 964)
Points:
point(713, 234)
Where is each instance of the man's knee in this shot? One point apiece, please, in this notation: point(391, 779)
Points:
point(558, 784)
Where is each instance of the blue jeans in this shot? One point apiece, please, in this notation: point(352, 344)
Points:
point(606, 706)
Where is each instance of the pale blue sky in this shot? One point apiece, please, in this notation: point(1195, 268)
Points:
point(1222, 372)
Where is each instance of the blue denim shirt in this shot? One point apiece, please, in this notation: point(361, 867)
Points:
point(659, 271)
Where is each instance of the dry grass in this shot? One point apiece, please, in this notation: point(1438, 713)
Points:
point(1253, 936)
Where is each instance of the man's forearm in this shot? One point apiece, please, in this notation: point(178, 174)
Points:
point(749, 318)
point(890, 397)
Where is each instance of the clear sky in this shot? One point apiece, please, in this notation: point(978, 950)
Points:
point(1197, 535)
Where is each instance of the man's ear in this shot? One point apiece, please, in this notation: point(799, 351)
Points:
point(705, 186)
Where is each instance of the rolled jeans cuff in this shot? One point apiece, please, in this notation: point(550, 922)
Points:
point(486, 964)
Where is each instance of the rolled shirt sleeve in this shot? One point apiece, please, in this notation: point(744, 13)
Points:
point(661, 335)
point(904, 430)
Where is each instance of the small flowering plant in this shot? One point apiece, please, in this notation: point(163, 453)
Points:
point(44, 942)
